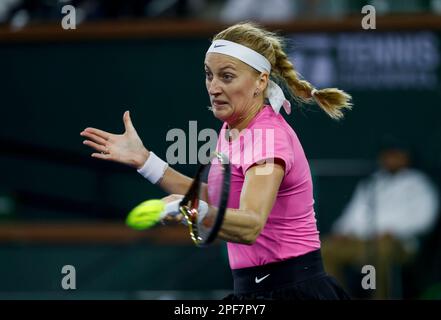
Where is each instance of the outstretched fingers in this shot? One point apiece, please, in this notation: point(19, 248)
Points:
point(96, 146)
point(94, 137)
point(128, 125)
point(103, 156)
point(100, 133)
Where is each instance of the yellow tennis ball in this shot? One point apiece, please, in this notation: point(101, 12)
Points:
point(145, 215)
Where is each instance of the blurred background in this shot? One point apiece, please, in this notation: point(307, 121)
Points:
point(377, 173)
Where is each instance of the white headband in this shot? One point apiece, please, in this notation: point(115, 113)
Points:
point(257, 61)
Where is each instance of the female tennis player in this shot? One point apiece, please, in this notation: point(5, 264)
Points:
point(270, 226)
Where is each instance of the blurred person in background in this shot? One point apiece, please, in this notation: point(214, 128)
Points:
point(385, 219)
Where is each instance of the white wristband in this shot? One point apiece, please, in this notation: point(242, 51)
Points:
point(154, 168)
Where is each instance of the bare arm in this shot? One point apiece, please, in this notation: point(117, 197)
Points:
point(174, 182)
point(257, 199)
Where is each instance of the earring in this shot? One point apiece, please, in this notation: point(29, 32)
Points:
point(256, 93)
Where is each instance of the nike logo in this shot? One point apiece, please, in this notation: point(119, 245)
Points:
point(261, 279)
point(219, 45)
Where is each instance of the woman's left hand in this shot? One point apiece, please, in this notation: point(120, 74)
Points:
point(174, 217)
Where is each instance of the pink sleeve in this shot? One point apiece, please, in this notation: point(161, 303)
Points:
point(267, 143)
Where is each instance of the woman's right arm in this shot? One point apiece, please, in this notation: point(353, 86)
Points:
point(175, 182)
point(128, 149)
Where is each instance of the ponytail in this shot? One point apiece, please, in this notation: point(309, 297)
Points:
point(331, 100)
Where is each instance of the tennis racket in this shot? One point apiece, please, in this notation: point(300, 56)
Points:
point(203, 208)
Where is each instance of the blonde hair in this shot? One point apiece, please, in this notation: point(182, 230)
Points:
point(332, 100)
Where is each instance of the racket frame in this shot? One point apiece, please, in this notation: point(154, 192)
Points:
point(189, 204)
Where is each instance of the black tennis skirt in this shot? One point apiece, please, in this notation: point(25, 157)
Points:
point(299, 278)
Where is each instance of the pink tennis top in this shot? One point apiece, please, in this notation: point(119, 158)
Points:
point(291, 228)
